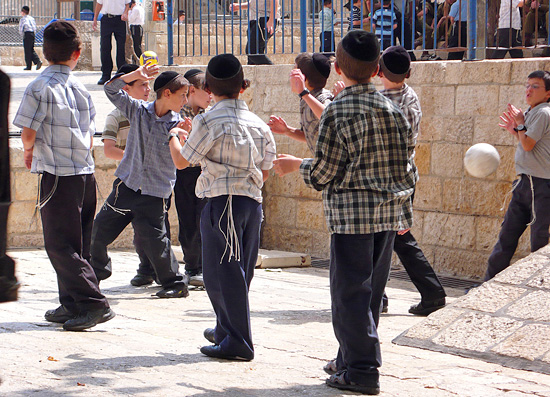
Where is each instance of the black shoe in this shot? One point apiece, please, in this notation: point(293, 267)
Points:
point(341, 381)
point(59, 315)
point(180, 291)
point(141, 279)
point(209, 335)
point(103, 80)
point(27, 69)
point(216, 352)
point(89, 319)
point(426, 307)
point(38, 65)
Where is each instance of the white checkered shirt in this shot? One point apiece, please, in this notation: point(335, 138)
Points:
point(233, 146)
point(60, 109)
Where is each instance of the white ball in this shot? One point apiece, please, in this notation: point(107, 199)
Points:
point(481, 160)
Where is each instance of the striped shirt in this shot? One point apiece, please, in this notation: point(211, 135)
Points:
point(309, 123)
point(233, 146)
point(147, 164)
point(116, 128)
point(362, 164)
point(355, 16)
point(27, 24)
point(59, 108)
point(384, 20)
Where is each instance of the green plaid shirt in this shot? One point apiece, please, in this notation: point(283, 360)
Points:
point(362, 164)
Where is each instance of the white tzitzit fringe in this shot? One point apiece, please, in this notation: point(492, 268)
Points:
point(120, 211)
point(534, 214)
point(231, 237)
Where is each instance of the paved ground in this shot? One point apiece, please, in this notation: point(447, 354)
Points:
point(152, 346)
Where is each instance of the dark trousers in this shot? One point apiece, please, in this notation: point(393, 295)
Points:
point(418, 267)
point(227, 280)
point(67, 220)
point(327, 41)
point(137, 36)
point(458, 38)
point(503, 40)
point(359, 269)
point(28, 46)
point(147, 215)
point(257, 42)
point(8, 281)
point(112, 26)
point(189, 208)
point(518, 215)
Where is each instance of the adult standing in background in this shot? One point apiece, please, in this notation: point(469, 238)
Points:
point(115, 13)
point(27, 28)
point(136, 20)
point(262, 15)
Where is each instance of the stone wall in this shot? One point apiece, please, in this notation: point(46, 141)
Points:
point(457, 217)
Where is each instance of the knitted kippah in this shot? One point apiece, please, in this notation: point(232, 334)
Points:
point(395, 60)
point(164, 78)
point(192, 72)
point(361, 45)
point(60, 31)
point(224, 66)
point(322, 64)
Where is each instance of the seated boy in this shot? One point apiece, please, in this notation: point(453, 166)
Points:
point(362, 165)
point(114, 138)
point(235, 149)
point(57, 105)
point(145, 178)
point(316, 70)
point(395, 67)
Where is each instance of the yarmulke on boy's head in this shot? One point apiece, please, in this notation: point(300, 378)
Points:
point(357, 55)
point(191, 73)
point(61, 40)
point(164, 78)
point(315, 67)
point(395, 63)
point(127, 68)
point(25, 9)
point(322, 64)
point(169, 80)
point(225, 76)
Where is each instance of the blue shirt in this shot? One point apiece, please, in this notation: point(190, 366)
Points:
point(147, 163)
point(463, 4)
point(59, 108)
point(384, 19)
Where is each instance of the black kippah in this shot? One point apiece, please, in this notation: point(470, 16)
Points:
point(361, 45)
point(127, 68)
point(396, 60)
point(192, 72)
point(60, 31)
point(224, 66)
point(322, 64)
point(26, 9)
point(164, 78)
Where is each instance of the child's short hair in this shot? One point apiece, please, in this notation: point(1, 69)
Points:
point(395, 63)
point(541, 74)
point(315, 67)
point(196, 78)
point(169, 80)
point(357, 55)
point(25, 9)
point(386, 2)
point(225, 76)
point(327, 2)
point(61, 40)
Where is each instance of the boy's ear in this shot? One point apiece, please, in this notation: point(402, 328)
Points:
point(337, 68)
point(191, 90)
point(75, 55)
point(376, 71)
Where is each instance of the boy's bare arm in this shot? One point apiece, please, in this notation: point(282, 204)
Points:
point(286, 164)
point(279, 126)
point(298, 85)
point(265, 174)
point(180, 134)
point(111, 151)
point(28, 137)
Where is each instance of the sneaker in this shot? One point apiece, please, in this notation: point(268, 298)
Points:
point(179, 291)
point(340, 380)
point(141, 279)
point(89, 319)
point(59, 315)
point(195, 278)
point(427, 307)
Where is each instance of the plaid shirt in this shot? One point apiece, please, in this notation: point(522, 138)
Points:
point(361, 163)
point(147, 164)
point(27, 24)
point(59, 108)
point(309, 123)
point(233, 146)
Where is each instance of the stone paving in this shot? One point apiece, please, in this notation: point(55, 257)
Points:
point(152, 346)
point(506, 320)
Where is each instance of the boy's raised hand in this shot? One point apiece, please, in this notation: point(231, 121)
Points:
point(338, 87)
point(147, 71)
point(516, 114)
point(286, 164)
point(297, 81)
point(278, 125)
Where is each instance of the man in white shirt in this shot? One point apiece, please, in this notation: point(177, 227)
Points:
point(136, 19)
point(27, 28)
point(115, 13)
point(509, 29)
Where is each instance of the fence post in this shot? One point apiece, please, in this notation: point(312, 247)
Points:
point(482, 30)
point(170, 32)
point(472, 21)
point(303, 25)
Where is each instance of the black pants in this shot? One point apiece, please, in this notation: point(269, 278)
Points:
point(147, 215)
point(458, 38)
point(112, 26)
point(503, 40)
point(189, 208)
point(327, 41)
point(137, 36)
point(67, 220)
point(30, 54)
point(359, 269)
point(405, 37)
point(257, 42)
point(518, 215)
point(8, 281)
point(227, 280)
